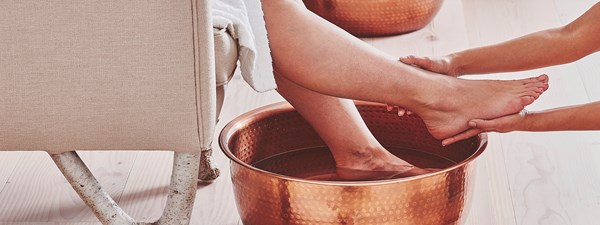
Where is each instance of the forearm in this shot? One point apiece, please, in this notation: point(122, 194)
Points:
point(579, 117)
point(545, 48)
point(541, 49)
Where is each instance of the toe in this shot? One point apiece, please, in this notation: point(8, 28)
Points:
point(531, 80)
point(533, 94)
point(545, 87)
point(543, 78)
point(526, 100)
point(537, 85)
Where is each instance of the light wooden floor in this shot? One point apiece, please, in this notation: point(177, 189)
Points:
point(523, 178)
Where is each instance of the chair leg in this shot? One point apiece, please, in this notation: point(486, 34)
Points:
point(180, 201)
point(90, 191)
point(208, 167)
point(183, 189)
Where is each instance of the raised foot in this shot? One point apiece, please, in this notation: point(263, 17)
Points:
point(457, 101)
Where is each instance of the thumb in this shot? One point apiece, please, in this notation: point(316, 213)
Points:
point(485, 125)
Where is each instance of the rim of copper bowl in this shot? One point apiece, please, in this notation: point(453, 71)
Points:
point(263, 112)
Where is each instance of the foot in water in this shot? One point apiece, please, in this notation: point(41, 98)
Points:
point(374, 164)
point(349, 174)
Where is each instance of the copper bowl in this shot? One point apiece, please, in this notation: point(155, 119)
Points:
point(376, 17)
point(265, 197)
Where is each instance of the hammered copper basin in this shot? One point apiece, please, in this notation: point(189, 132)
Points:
point(376, 17)
point(267, 198)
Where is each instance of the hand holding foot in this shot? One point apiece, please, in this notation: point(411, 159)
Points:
point(504, 98)
point(502, 125)
point(442, 65)
point(453, 107)
point(401, 111)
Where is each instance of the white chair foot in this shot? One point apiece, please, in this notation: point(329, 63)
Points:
point(208, 167)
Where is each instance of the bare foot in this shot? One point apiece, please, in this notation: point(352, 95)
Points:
point(453, 102)
point(375, 164)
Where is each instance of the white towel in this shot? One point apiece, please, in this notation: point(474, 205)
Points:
point(253, 45)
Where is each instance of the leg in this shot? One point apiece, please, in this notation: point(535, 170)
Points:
point(182, 192)
point(179, 203)
point(90, 191)
point(351, 143)
point(319, 56)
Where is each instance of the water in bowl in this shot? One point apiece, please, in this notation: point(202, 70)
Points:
point(318, 164)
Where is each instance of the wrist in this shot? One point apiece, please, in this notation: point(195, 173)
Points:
point(526, 122)
point(453, 61)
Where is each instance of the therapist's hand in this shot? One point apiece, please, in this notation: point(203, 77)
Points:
point(501, 125)
point(401, 110)
point(442, 65)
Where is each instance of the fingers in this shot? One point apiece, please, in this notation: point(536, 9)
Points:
point(389, 107)
point(416, 61)
point(484, 125)
point(401, 111)
point(409, 60)
point(479, 126)
point(462, 136)
point(436, 65)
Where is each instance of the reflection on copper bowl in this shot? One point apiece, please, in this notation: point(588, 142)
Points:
point(267, 198)
point(366, 18)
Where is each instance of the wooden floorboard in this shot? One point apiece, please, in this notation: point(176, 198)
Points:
point(50, 223)
point(589, 67)
point(543, 170)
point(144, 195)
point(522, 178)
point(9, 162)
point(37, 191)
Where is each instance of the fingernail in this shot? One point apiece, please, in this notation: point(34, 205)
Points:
point(472, 124)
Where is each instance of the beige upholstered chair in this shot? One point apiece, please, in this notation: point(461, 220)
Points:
point(113, 75)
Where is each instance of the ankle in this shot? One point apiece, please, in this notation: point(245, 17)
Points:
point(357, 157)
point(440, 95)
